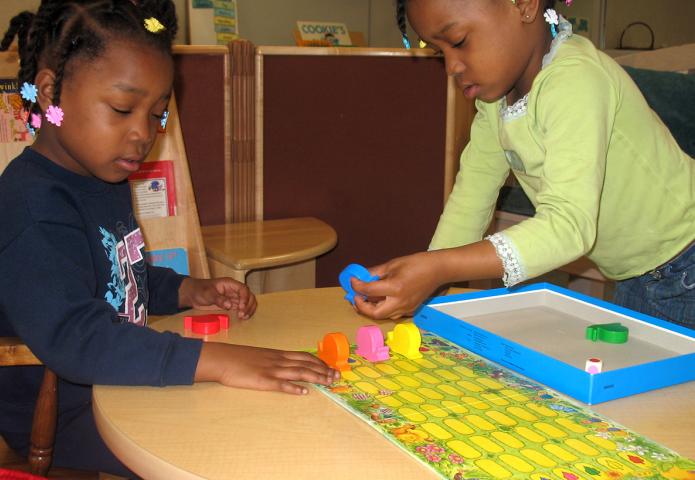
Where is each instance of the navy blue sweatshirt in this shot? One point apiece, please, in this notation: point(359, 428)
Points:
point(75, 287)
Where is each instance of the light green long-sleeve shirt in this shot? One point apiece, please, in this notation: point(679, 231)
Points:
point(604, 173)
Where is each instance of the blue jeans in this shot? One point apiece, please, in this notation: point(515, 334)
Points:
point(667, 292)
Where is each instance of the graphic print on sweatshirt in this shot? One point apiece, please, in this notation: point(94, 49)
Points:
point(126, 292)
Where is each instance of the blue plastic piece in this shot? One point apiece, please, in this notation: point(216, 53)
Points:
point(357, 271)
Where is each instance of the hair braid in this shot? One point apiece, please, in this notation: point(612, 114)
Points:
point(400, 18)
point(63, 30)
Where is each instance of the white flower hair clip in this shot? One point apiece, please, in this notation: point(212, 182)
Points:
point(164, 119)
point(553, 19)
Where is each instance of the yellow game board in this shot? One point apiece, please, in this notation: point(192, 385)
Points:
point(467, 418)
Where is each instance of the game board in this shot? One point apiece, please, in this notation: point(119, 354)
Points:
point(468, 418)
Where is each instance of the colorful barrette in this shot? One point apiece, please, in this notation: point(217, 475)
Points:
point(552, 18)
point(54, 115)
point(29, 92)
point(35, 120)
point(422, 44)
point(163, 121)
point(153, 25)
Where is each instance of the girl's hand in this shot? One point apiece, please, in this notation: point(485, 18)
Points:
point(261, 368)
point(403, 284)
point(217, 293)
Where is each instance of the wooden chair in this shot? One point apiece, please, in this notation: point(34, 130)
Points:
point(179, 231)
point(12, 351)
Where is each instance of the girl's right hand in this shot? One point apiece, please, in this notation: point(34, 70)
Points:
point(258, 368)
point(404, 283)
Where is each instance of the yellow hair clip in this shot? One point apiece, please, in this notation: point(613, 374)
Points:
point(153, 25)
point(422, 44)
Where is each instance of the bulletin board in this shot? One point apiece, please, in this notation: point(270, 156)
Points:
point(212, 22)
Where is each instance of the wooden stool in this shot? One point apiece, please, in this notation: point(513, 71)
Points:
point(282, 253)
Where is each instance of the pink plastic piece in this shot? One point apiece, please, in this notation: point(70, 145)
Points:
point(206, 324)
point(370, 344)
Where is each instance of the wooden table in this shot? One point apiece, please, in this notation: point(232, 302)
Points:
point(210, 431)
point(284, 250)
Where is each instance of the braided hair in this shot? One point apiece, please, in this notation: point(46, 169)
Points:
point(63, 31)
point(400, 15)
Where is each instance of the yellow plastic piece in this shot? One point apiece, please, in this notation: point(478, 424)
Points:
point(405, 339)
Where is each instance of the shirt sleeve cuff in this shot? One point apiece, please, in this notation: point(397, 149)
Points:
point(514, 271)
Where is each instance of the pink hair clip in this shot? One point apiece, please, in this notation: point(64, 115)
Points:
point(36, 120)
point(54, 115)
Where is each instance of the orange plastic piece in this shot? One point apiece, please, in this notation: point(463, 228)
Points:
point(334, 349)
point(206, 324)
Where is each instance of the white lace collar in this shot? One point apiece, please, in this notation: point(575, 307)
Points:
point(518, 109)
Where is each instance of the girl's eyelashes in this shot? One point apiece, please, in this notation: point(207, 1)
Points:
point(122, 111)
point(459, 44)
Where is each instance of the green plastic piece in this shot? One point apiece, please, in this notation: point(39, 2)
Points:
point(607, 332)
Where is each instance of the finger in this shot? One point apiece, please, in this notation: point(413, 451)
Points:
point(312, 362)
point(380, 270)
point(388, 308)
point(377, 288)
point(292, 388)
point(365, 308)
point(247, 309)
point(302, 374)
point(307, 360)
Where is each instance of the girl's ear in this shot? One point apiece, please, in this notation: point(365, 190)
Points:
point(45, 82)
point(529, 9)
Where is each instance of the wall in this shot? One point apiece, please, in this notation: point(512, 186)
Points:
point(270, 22)
point(671, 20)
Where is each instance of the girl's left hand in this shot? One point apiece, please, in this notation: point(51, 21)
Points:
point(217, 293)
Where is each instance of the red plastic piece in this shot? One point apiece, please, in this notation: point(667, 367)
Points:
point(206, 324)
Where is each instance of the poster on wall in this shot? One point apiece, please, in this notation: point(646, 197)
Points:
point(331, 34)
point(12, 125)
point(14, 135)
point(212, 22)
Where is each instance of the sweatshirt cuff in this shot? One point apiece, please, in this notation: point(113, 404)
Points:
point(181, 360)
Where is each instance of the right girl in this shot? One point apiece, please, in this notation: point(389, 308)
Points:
point(605, 175)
